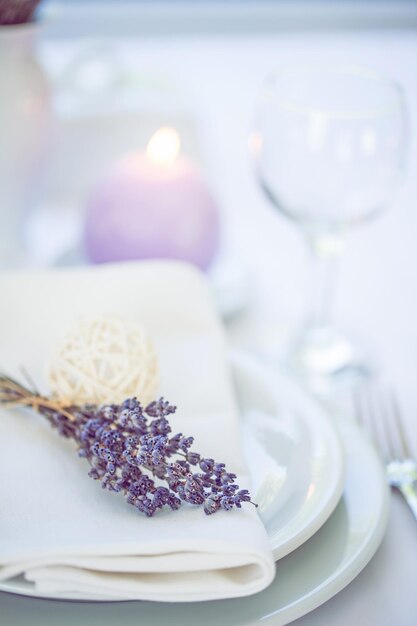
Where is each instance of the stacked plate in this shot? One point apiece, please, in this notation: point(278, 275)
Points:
point(312, 479)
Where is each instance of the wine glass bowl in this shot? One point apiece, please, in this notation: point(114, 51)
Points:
point(329, 150)
point(332, 143)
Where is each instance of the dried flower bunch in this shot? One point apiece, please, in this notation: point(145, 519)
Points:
point(17, 11)
point(131, 450)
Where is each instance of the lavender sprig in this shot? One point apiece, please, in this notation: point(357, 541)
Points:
point(131, 450)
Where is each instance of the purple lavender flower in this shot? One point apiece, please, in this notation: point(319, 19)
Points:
point(131, 450)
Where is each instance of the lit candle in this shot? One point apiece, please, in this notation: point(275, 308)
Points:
point(153, 204)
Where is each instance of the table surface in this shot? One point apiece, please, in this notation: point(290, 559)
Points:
point(377, 287)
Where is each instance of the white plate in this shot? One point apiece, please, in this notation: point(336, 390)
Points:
point(305, 579)
point(293, 451)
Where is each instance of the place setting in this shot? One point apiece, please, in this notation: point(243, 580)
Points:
point(84, 543)
point(155, 471)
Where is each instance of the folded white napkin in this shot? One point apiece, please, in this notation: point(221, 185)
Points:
point(57, 526)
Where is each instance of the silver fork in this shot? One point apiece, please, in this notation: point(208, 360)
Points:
point(381, 416)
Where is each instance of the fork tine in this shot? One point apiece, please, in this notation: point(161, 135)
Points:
point(399, 426)
point(383, 419)
point(392, 428)
point(391, 443)
point(371, 416)
point(380, 412)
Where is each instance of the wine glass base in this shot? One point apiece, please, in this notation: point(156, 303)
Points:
point(325, 360)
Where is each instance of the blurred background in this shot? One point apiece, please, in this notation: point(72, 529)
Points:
point(87, 87)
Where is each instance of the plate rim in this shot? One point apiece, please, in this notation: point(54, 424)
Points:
point(306, 531)
point(342, 576)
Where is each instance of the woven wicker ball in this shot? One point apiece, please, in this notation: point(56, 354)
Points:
point(104, 360)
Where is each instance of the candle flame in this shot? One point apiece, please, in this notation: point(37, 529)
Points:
point(164, 146)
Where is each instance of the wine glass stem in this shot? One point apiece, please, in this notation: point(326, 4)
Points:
point(324, 269)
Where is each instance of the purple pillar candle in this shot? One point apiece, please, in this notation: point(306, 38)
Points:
point(153, 204)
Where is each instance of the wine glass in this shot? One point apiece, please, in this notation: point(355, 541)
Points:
point(329, 149)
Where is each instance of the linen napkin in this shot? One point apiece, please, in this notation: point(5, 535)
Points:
point(57, 526)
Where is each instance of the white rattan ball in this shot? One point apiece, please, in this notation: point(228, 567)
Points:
point(104, 360)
